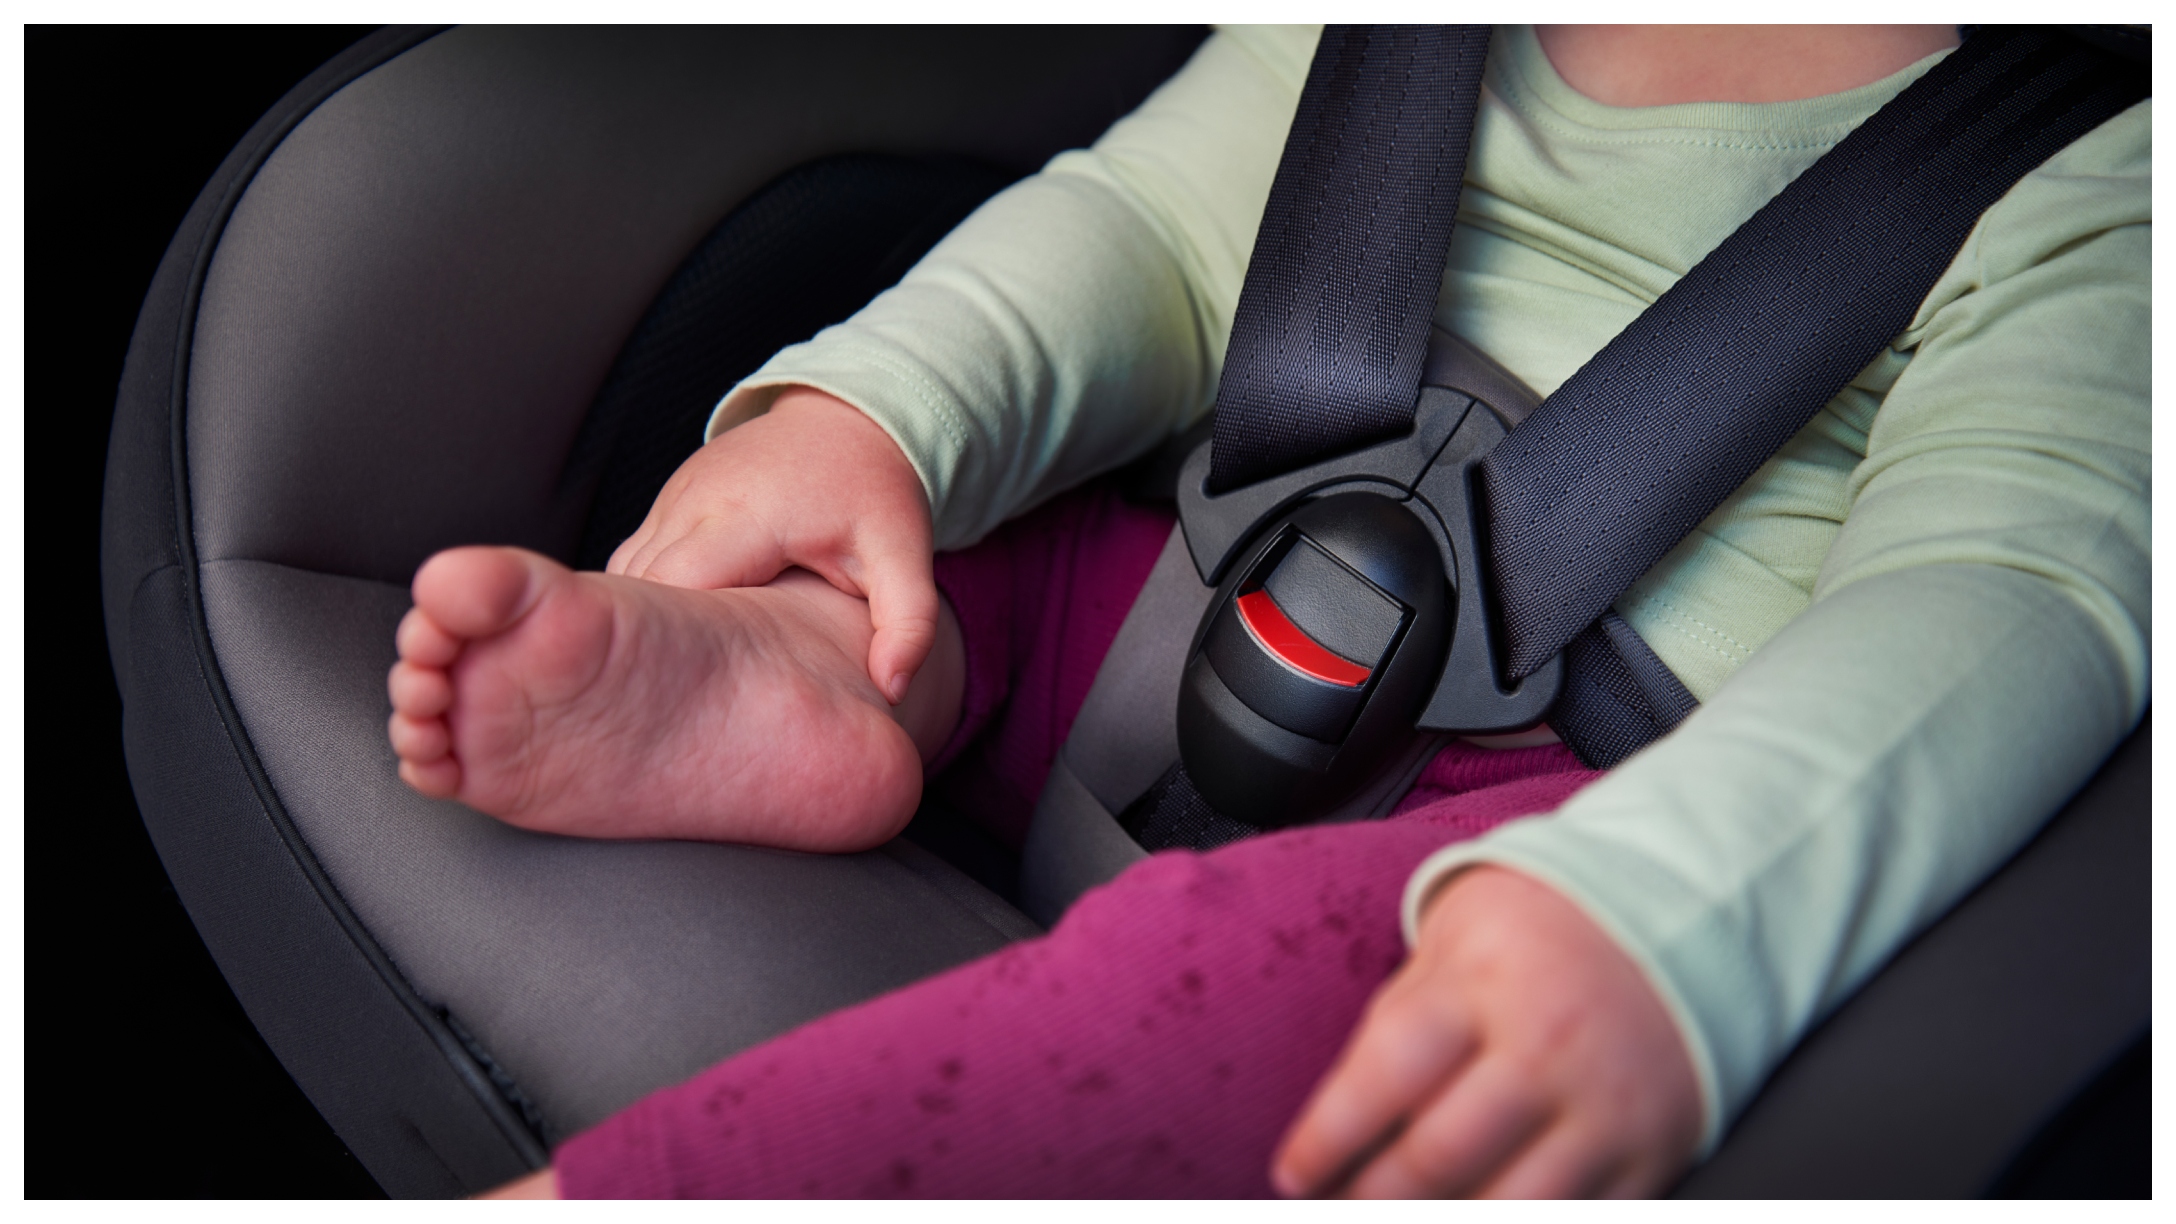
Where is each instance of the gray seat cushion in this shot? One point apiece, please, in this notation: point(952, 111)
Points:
point(590, 971)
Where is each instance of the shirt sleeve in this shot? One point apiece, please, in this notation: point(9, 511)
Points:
point(1079, 317)
point(1976, 646)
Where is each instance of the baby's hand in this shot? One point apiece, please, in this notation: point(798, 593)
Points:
point(1518, 1054)
point(811, 483)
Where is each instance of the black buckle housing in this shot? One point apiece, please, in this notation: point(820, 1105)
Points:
point(1347, 618)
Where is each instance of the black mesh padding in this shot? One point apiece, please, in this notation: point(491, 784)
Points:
point(1331, 327)
point(1173, 815)
point(1683, 405)
point(1618, 697)
point(805, 252)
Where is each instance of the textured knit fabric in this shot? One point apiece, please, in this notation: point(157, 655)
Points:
point(1949, 562)
point(1156, 1044)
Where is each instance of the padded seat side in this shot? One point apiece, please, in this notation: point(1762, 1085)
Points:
point(316, 987)
point(376, 335)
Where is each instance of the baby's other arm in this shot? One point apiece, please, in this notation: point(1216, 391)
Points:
point(1976, 646)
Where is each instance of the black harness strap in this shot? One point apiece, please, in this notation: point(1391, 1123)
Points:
point(1618, 697)
point(1679, 409)
point(1331, 327)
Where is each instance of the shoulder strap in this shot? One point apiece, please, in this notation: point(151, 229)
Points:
point(1332, 322)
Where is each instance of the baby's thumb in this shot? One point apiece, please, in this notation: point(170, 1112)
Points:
point(903, 611)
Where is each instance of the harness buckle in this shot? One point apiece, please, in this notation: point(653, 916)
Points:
point(1348, 618)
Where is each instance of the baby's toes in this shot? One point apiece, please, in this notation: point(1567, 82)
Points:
point(480, 590)
point(424, 642)
point(439, 779)
point(425, 748)
point(419, 692)
point(419, 740)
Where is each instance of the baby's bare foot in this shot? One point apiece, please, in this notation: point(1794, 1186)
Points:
point(615, 707)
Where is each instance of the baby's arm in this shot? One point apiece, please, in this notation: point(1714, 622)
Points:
point(1976, 646)
point(1071, 324)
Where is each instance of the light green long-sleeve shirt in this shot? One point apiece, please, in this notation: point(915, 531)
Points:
point(1914, 631)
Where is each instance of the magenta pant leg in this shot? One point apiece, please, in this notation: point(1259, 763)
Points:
point(1156, 1043)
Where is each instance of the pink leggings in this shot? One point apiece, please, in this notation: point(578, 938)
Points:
point(1157, 1042)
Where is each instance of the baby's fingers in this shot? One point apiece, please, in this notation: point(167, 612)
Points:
point(1569, 1161)
point(1460, 1139)
point(630, 548)
point(714, 554)
point(1403, 1054)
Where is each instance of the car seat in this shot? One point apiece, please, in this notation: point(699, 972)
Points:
point(483, 285)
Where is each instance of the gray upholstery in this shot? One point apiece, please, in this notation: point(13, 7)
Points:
point(376, 335)
point(404, 1096)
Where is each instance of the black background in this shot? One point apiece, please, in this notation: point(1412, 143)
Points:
point(143, 1077)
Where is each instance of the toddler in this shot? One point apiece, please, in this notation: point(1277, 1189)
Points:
point(1913, 632)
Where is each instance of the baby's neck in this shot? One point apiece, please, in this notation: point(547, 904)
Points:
point(1629, 65)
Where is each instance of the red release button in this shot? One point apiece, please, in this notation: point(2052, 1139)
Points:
point(1291, 645)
